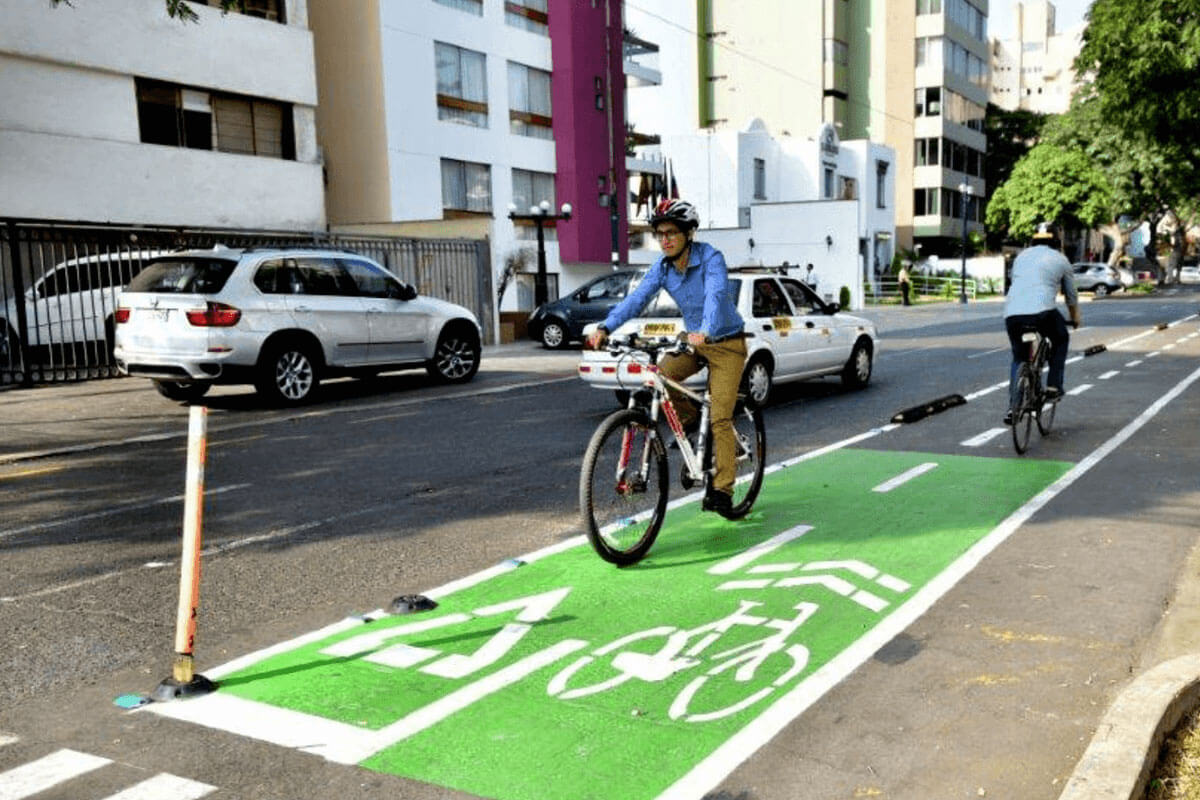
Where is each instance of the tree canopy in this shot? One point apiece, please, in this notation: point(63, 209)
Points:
point(1050, 183)
point(179, 9)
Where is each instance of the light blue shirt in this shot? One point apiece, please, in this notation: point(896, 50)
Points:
point(1037, 275)
point(701, 294)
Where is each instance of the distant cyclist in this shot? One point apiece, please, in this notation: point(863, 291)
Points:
point(1038, 274)
point(694, 274)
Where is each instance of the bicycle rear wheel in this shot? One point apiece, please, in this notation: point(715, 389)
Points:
point(623, 487)
point(751, 435)
point(1045, 417)
point(1022, 410)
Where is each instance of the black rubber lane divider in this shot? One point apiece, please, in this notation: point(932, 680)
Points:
point(1094, 349)
point(932, 407)
point(1162, 326)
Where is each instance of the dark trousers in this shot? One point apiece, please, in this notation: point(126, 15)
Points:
point(904, 292)
point(1049, 324)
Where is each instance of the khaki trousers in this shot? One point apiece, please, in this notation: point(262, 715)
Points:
point(726, 360)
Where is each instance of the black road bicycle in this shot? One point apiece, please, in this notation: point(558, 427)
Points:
point(1029, 404)
point(624, 482)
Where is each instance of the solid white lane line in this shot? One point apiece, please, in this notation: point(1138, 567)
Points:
point(905, 477)
point(721, 762)
point(1080, 389)
point(38, 776)
point(1134, 363)
point(983, 438)
point(1109, 374)
point(988, 352)
point(40, 526)
point(164, 787)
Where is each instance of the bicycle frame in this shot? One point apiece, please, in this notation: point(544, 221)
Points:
point(661, 400)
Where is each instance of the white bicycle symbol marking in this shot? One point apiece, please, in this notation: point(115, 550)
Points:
point(676, 656)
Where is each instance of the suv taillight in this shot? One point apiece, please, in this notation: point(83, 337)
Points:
point(215, 315)
point(121, 315)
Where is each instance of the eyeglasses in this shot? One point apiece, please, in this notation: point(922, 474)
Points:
point(667, 234)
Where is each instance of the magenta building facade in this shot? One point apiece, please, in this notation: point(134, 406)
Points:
point(588, 97)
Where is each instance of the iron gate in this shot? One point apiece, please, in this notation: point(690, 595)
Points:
point(59, 284)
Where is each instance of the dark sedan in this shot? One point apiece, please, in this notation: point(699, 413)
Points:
point(561, 321)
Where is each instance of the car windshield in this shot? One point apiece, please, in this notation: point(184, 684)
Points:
point(184, 276)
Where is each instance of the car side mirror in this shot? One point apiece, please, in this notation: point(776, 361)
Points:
point(407, 292)
point(833, 308)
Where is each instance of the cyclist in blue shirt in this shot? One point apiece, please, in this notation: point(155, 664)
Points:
point(694, 274)
point(1038, 274)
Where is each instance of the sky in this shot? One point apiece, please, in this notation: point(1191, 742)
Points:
point(1001, 15)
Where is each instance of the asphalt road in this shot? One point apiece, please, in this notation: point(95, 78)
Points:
point(396, 487)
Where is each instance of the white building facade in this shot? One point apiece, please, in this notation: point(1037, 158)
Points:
point(766, 200)
point(115, 112)
point(1035, 70)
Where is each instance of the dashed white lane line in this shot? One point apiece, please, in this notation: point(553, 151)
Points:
point(165, 787)
point(1168, 347)
point(1111, 373)
point(983, 438)
point(1155, 354)
point(1080, 389)
point(8, 738)
point(988, 352)
point(48, 771)
point(905, 477)
point(988, 390)
point(41, 526)
point(1134, 363)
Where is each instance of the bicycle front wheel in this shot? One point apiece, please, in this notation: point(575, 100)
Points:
point(1022, 410)
point(751, 436)
point(623, 487)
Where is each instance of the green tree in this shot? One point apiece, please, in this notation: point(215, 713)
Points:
point(179, 9)
point(1050, 183)
point(1010, 135)
point(1139, 110)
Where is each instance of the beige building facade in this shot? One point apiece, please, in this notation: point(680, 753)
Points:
point(1034, 71)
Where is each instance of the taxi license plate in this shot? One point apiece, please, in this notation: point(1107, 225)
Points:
point(160, 314)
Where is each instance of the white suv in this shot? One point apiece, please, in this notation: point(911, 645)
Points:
point(283, 319)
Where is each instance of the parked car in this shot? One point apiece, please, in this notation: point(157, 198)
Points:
point(1099, 279)
point(559, 322)
point(70, 307)
point(1189, 274)
point(795, 336)
point(283, 319)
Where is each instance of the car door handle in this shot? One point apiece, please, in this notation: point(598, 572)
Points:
point(303, 308)
point(809, 325)
point(767, 327)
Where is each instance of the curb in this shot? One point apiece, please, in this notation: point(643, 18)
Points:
point(1125, 749)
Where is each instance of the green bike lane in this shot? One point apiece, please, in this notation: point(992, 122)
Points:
point(557, 675)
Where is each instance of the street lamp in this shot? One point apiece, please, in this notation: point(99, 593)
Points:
point(539, 214)
point(964, 189)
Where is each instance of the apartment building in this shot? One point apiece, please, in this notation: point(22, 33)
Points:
point(437, 116)
point(115, 112)
point(1034, 71)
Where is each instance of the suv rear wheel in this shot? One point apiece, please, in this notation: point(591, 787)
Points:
point(554, 334)
point(287, 372)
point(183, 391)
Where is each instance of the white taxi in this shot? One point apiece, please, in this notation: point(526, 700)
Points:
point(794, 336)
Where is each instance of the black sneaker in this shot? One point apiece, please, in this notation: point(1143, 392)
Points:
point(718, 501)
point(1008, 417)
point(1053, 394)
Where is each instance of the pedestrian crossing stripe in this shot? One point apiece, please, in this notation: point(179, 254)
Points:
point(567, 677)
point(65, 765)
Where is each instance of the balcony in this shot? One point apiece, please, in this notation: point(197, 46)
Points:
point(640, 61)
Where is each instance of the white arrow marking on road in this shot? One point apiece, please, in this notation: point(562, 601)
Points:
point(983, 438)
point(38, 776)
point(165, 787)
point(904, 478)
point(1080, 389)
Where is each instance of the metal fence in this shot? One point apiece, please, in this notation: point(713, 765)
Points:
point(59, 284)
point(926, 286)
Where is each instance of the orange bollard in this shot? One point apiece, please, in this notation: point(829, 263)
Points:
point(184, 682)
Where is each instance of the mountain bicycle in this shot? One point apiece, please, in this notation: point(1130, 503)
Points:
point(1030, 404)
point(625, 478)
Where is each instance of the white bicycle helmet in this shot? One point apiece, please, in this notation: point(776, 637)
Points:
point(680, 212)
